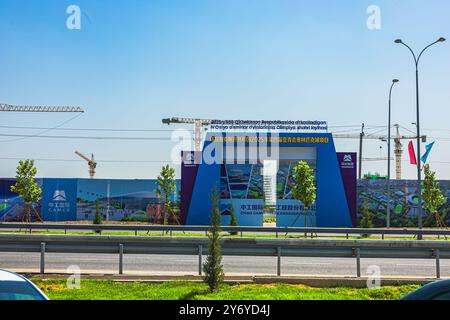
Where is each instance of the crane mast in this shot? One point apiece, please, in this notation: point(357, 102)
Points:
point(398, 151)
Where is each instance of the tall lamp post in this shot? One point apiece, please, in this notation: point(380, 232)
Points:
point(419, 177)
point(388, 213)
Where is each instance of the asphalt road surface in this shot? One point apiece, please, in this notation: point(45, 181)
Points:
point(188, 265)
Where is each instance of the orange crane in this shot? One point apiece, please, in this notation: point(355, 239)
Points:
point(92, 164)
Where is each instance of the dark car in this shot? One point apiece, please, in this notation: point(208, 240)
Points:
point(439, 290)
point(16, 287)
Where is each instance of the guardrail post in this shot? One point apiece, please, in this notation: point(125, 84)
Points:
point(120, 258)
point(438, 264)
point(279, 261)
point(419, 235)
point(358, 262)
point(42, 269)
point(200, 258)
point(382, 236)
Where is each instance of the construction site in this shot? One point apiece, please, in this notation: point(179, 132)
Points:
point(243, 185)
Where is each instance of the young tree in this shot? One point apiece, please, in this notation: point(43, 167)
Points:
point(366, 221)
point(432, 196)
point(27, 187)
point(304, 188)
point(233, 220)
point(166, 187)
point(98, 218)
point(213, 265)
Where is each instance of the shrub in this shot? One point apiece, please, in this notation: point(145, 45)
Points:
point(213, 265)
point(233, 220)
point(98, 219)
point(366, 221)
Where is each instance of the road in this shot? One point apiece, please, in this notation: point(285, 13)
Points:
point(188, 265)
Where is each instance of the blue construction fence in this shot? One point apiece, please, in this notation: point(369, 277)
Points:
point(75, 200)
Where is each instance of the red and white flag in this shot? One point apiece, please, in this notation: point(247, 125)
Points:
point(412, 154)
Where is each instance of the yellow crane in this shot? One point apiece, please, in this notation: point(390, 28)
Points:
point(91, 162)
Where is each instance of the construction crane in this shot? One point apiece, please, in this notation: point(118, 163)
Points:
point(198, 127)
point(398, 151)
point(199, 124)
point(91, 163)
point(11, 108)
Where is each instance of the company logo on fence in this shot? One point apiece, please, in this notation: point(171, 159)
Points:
point(59, 195)
point(59, 203)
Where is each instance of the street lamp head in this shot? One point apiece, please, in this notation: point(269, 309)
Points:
point(398, 41)
point(395, 80)
point(441, 39)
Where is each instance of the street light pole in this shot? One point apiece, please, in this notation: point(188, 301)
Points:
point(388, 213)
point(419, 172)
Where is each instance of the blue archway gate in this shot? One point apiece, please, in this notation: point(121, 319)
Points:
point(233, 163)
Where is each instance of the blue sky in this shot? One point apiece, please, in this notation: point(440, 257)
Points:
point(135, 62)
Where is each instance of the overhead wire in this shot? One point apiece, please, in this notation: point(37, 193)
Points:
point(88, 129)
point(84, 137)
point(44, 131)
point(74, 160)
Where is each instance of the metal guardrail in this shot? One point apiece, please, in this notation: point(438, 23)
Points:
point(181, 228)
point(278, 248)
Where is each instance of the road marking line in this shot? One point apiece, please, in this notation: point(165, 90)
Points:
point(413, 265)
point(313, 264)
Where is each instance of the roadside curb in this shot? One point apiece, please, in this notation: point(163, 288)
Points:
point(332, 282)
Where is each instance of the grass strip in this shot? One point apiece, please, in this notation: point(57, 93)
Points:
point(57, 289)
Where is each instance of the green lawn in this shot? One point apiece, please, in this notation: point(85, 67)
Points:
point(181, 290)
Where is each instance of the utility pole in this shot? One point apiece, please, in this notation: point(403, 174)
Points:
point(361, 136)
